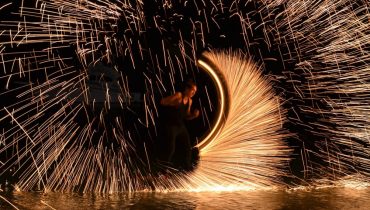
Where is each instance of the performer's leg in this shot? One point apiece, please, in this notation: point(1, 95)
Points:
point(166, 144)
point(185, 141)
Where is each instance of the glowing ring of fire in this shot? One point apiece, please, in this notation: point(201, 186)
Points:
point(222, 94)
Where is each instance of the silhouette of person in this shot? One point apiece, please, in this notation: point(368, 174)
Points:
point(178, 108)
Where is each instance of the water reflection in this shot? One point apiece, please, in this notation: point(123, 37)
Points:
point(326, 198)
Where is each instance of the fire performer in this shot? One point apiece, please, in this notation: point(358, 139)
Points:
point(178, 108)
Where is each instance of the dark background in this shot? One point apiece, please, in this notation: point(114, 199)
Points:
point(171, 26)
point(168, 25)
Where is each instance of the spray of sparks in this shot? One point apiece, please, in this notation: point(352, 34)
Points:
point(248, 151)
point(323, 46)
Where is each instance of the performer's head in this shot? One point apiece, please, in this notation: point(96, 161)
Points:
point(190, 89)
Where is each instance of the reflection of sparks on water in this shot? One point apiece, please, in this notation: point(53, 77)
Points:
point(329, 40)
point(6, 200)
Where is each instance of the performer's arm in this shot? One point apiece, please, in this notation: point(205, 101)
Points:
point(191, 115)
point(172, 100)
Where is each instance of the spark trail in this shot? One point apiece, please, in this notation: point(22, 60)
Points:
point(67, 74)
point(329, 40)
